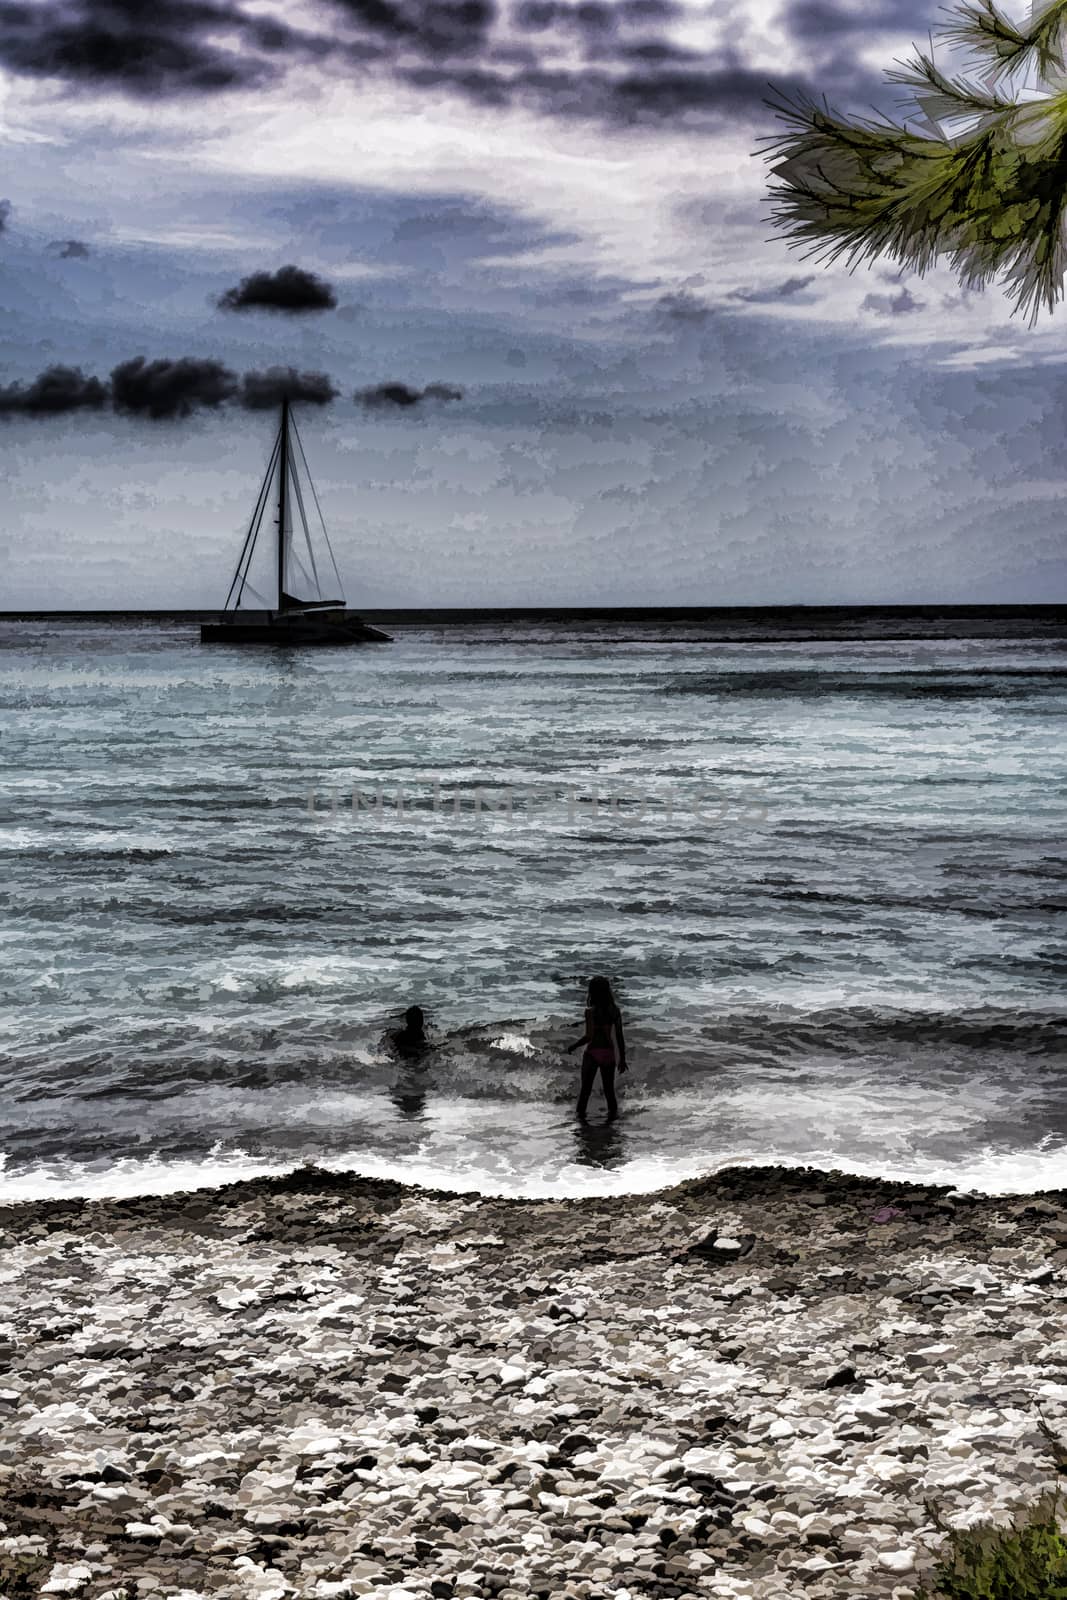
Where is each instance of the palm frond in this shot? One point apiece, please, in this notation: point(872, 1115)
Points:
point(991, 202)
point(987, 32)
point(1046, 36)
point(1023, 240)
point(984, 30)
point(944, 98)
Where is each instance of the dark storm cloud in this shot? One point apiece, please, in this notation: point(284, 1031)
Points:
point(402, 397)
point(592, 17)
point(433, 27)
point(70, 249)
point(164, 389)
point(5, 212)
point(262, 391)
point(142, 46)
point(627, 66)
point(630, 69)
point(52, 392)
point(644, 11)
point(892, 305)
point(778, 291)
point(668, 93)
point(290, 289)
point(822, 20)
point(652, 92)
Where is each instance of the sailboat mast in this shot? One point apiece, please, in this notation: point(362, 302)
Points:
point(283, 486)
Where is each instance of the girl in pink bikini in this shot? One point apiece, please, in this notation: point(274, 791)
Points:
point(605, 1047)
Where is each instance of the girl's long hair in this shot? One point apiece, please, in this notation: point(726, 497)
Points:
point(600, 997)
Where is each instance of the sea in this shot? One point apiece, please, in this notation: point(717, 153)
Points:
point(821, 854)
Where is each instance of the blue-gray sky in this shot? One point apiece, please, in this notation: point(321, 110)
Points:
point(553, 209)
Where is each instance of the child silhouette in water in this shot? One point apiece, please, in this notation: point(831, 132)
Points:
point(410, 1041)
point(605, 1047)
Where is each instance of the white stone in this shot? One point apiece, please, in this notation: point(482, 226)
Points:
point(460, 1477)
point(265, 1581)
point(897, 1560)
point(65, 1579)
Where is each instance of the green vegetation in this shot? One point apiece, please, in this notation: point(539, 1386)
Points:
point(980, 181)
point(1026, 1562)
point(22, 1574)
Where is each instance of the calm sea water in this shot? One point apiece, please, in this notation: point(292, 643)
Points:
point(826, 875)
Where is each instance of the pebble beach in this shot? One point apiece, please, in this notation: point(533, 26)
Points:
point(767, 1383)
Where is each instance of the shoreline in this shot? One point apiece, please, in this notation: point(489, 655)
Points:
point(763, 1384)
point(766, 1175)
point(772, 1182)
point(284, 1176)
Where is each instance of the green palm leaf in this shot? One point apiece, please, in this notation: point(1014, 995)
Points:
point(943, 97)
point(988, 33)
point(989, 199)
point(984, 30)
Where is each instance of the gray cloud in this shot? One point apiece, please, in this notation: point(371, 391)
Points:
point(892, 305)
point(164, 389)
point(52, 392)
point(683, 306)
point(262, 391)
point(402, 397)
point(70, 249)
point(291, 290)
point(5, 212)
point(778, 291)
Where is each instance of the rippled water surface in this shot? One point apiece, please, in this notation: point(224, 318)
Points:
point(827, 875)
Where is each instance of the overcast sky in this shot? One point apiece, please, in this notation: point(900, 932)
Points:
point(553, 355)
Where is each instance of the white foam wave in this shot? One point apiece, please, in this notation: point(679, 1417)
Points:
point(516, 1043)
point(988, 1172)
point(131, 1176)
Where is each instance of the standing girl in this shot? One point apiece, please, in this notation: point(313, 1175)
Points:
point(605, 1047)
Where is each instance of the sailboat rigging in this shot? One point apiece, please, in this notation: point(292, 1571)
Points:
point(292, 621)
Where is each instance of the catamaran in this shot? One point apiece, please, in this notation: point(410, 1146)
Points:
point(291, 621)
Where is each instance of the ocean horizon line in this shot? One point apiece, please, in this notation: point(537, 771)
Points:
point(960, 609)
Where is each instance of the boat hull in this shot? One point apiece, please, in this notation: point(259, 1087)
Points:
point(306, 628)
